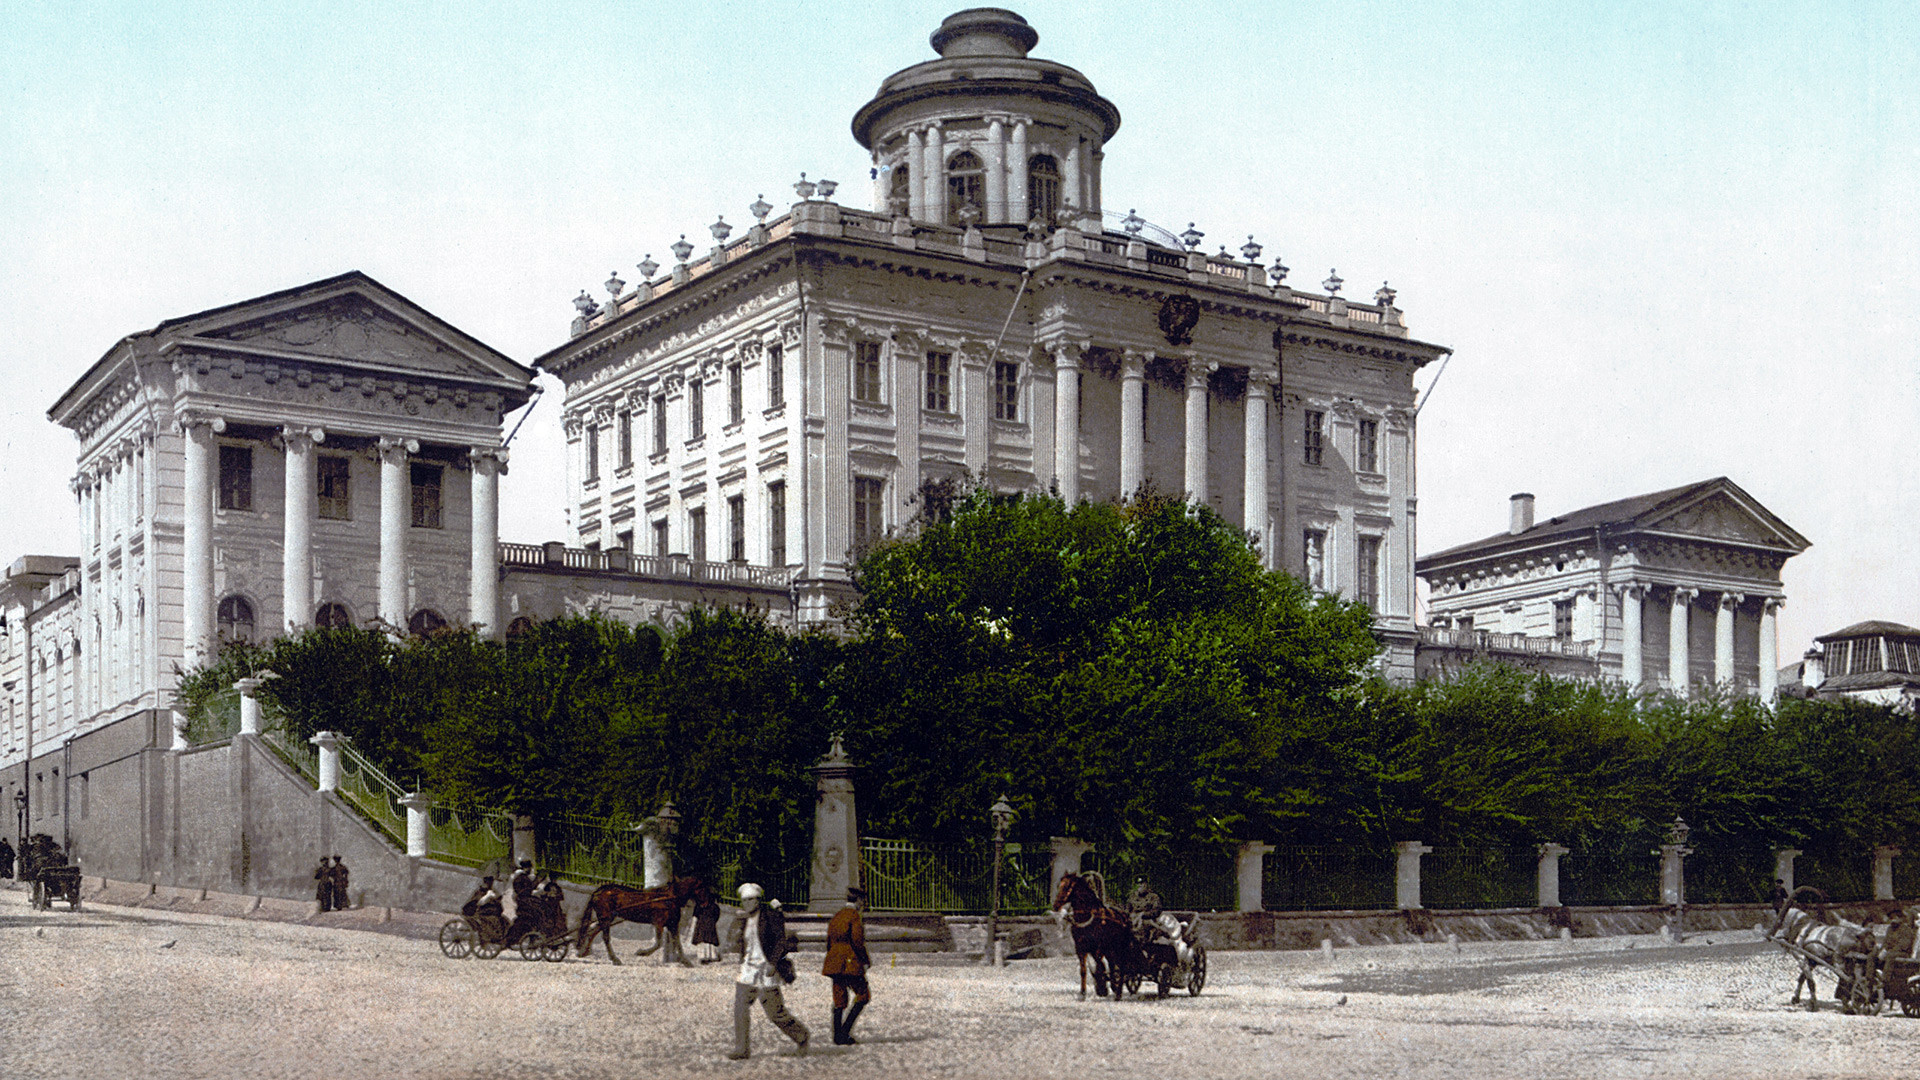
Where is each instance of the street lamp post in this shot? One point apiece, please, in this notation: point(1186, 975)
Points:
point(1002, 815)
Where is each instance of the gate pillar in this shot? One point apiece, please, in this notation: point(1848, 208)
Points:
point(1250, 871)
point(836, 832)
point(522, 838)
point(329, 745)
point(1547, 878)
point(1067, 852)
point(1406, 878)
point(1883, 871)
point(417, 805)
point(1783, 867)
point(249, 705)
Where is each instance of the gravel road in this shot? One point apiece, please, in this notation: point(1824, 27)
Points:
point(115, 992)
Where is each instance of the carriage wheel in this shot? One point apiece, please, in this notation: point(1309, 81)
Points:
point(487, 950)
point(556, 950)
point(456, 939)
point(1132, 982)
point(1909, 1007)
point(532, 945)
point(1197, 971)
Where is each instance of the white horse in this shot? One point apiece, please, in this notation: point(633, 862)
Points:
point(1818, 937)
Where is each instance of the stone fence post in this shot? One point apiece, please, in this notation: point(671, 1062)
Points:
point(417, 805)
point(1883, 871)
point(1067, 852)
point(1547, 877)
point(1251, 869)
point(1783, 867)
point(1406, 879)
point(249, 705)
point(329, 745)
point(522, 838)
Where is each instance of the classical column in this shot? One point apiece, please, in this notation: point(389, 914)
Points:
point(197, 538)
point(1632, 664)
point(396, 514)
point(1066, 419)
point(996, 178)
point(483, 585)
point(1678, 679)
point(302, 492)
point(1070, 182)
point(976, 409)
point(1253, 500)
point(1017, 211)
point(1728, 607)
point(916, 166)
point(1196, 433)
point(935, 171)
point(1133, 434)
point(1769, 686)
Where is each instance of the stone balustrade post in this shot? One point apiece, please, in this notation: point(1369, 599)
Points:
point(249, 705)
point(329, 745)
point(1883, 871)
point(1067, 852)
point(1547, 877)
point(417, 804)
point(1783, 866)
point(1406, 878)
point(1250, 870)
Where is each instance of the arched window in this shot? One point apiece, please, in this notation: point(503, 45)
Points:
point(900, 190)
point(520, 627)
point(236, 619)
point(966, 180)
point(424, 622)
point(333, 617)
point(1043, 188)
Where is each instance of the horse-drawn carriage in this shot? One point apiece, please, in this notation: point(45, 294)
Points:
point(1171, 954)
point(539, 931)
point(1868, 974)
point(44, 867)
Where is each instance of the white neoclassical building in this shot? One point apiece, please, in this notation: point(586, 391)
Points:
point(784, 398)
point(1671, 590)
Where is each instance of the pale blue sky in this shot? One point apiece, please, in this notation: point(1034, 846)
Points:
point(1667, 241)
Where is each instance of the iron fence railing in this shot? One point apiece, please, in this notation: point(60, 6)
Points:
point(470, 836)
point(592, 849)
point(1479, 878)
point(904, 875)
point(1184, 881)
point(368, 790)
point(1327, 879)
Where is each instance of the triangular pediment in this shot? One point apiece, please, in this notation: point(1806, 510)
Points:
point(1724, 513)
point(352, 328)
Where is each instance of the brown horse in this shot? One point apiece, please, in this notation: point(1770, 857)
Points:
point(1099, 931)
point(660, 906)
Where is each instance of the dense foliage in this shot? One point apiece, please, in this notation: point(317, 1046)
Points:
point(1124, 673)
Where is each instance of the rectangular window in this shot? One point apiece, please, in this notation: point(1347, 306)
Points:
point(592, 440)
point(736, 394)
point(662, 541)
point(236, 478)
point(426, 496)
point(623, 540)
point(868, 511)
point(1313, 545)
point(660, 423)
point(1368, 572)
point(776, 377)
point(697, 534)
point(866, 372)
point(696, 408)
point(1369, 449)
point(336, 487)
point(1006, 391)
point(939, 382)
point(777, 524)
point(1463, 622)
point(625, 439)
point(1563, 620)
point(1310, 442)
point(737, 528)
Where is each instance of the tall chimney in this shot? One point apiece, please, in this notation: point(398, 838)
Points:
point(1519, 514)
point(1813, 669)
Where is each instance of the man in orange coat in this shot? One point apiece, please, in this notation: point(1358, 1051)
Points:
point(847, 964)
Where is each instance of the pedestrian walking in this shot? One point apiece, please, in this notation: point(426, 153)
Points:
point(760, 937)
point(706, 928)
point(847, 963)
point(6, 859)
point(339, 872)
point(323, 885)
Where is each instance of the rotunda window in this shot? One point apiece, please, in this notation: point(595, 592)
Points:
point(966, 186)
point(1043, 187)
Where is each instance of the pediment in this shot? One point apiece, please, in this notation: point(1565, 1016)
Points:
point(1720, 516)
point(353, 328)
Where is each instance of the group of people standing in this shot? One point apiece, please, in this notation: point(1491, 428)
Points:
point(330, 885)
point(760, 939)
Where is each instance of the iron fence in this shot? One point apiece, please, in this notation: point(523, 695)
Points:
point(365, 788)
point(1846, 877)
point(1480, 878)
point(1328, 879)
point(592, 849)
point(903, 875)
point(1184, 881)
point(1607, 879)
point(470, 836)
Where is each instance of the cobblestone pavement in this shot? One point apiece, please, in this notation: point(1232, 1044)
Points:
point(114, 992)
